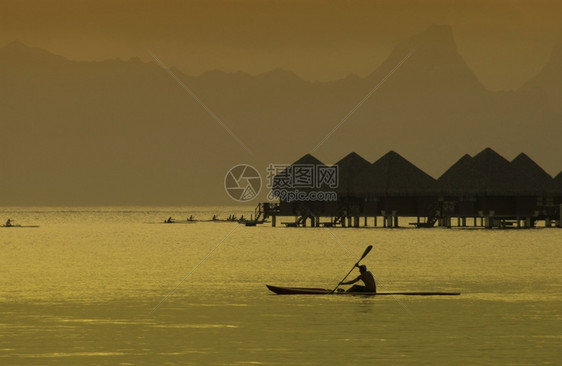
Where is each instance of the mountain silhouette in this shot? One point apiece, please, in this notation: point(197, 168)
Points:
point(125, 132)
point(549, 80)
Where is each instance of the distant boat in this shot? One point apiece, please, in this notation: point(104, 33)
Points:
point(177, 222)
point(193, 221)
point(20, 226)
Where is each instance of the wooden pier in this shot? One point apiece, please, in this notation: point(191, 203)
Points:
point(394, 219)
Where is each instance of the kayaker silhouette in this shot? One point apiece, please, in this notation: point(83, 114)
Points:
point(9, 222)
point(367, 278)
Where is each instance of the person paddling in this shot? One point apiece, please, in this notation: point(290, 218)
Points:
point(9, 222)
point(367, 278)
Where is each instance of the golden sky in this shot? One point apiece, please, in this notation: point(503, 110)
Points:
point(504, 42)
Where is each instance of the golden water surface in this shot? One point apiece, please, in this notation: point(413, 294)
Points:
point(114, 286)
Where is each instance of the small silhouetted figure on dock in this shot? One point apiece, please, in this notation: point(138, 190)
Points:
point(214, 217)
point(9, 222)
point(170, 220)
point(190, 218)
point(367, 278)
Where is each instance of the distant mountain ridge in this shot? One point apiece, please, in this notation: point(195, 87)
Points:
point(124, 132)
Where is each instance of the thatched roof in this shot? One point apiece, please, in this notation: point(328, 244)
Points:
point(451, 172)
point(392, 175)
point(350, 167)
point(555, 186)
point(306, 160)
point(486, 174)
point(449, 181)
point(533, 171)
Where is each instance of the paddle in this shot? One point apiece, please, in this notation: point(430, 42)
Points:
point(367, 250)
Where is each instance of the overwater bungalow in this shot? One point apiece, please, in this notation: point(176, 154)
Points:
point(484, 190)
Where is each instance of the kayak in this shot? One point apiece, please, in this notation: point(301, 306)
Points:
point(322, 291)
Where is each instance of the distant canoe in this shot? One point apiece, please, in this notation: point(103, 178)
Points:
point(217, 221)
point(177, 222)
point(20, 226)
point(323, 291)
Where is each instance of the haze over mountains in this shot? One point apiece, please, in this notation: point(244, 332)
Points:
point(124, 132)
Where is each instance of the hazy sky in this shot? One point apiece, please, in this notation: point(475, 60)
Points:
point(504, 42)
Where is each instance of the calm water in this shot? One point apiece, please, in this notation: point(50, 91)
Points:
point(84, 289)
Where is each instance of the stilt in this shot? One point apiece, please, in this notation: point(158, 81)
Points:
point(534, 222)
point(273, 220)
point(365, 222)
point(395, 218)
point(356, 221)
point(375, 221)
